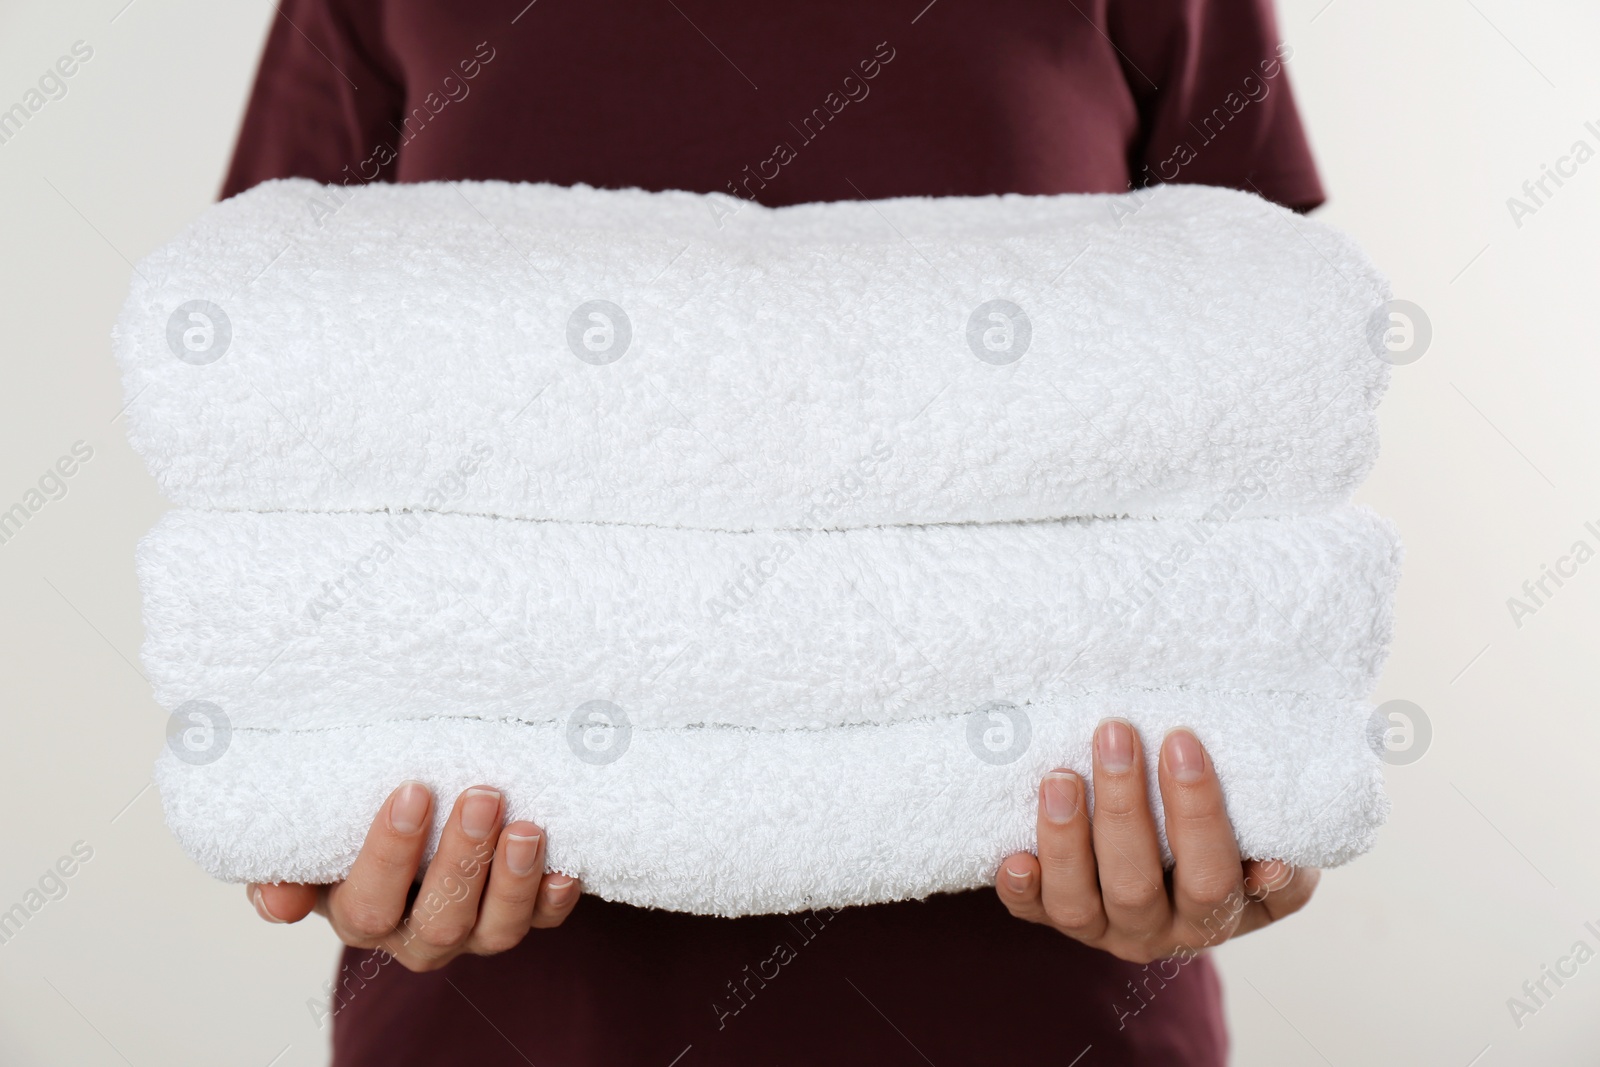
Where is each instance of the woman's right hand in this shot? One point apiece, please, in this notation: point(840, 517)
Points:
point(484, 889)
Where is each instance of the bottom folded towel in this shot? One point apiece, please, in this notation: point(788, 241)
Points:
point(727, 820)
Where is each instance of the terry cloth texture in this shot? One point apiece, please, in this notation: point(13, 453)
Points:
point(1164, 346)
point(733, 821)
point(700, 534)
point(293, 621)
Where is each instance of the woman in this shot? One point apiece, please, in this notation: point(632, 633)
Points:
point(782, 104)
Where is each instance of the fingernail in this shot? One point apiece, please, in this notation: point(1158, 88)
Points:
point(260, 901)
point(479, 811)
point(1060, 796)
point(521, 852)
point(1018, 882)
point(1186, 760)
point(409, 807)
point(1114, 742)
point(558, 890)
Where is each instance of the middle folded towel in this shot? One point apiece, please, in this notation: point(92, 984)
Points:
point(306, 620)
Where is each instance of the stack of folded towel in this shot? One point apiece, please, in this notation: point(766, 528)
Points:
point(767, 560)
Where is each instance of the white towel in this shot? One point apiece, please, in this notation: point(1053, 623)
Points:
point(820, 818)
point(349, 652)
point(301, 621)
point(816, 366)
point(837, 549)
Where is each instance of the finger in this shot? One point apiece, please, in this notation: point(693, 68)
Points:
point(1276, 891)
point(1208, 889)
point(558, 895)
point(506, 913)
point(1133, 891)
point(1017, 883)
point(282, 902)
point(369, 903)
point(446, 908)
point(1069, 889)
point(1264, 877)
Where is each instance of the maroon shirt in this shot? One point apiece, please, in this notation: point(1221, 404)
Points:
point(785, 103)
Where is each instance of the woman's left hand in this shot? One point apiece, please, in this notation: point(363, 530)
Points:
point(1101, 881)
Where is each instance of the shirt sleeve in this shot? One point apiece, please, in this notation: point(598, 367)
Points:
point(1215, 107)
point(326, 96)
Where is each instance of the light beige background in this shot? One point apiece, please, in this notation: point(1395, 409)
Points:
point(1425, 114)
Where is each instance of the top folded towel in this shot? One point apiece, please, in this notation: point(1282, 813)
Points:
point(674, 359)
